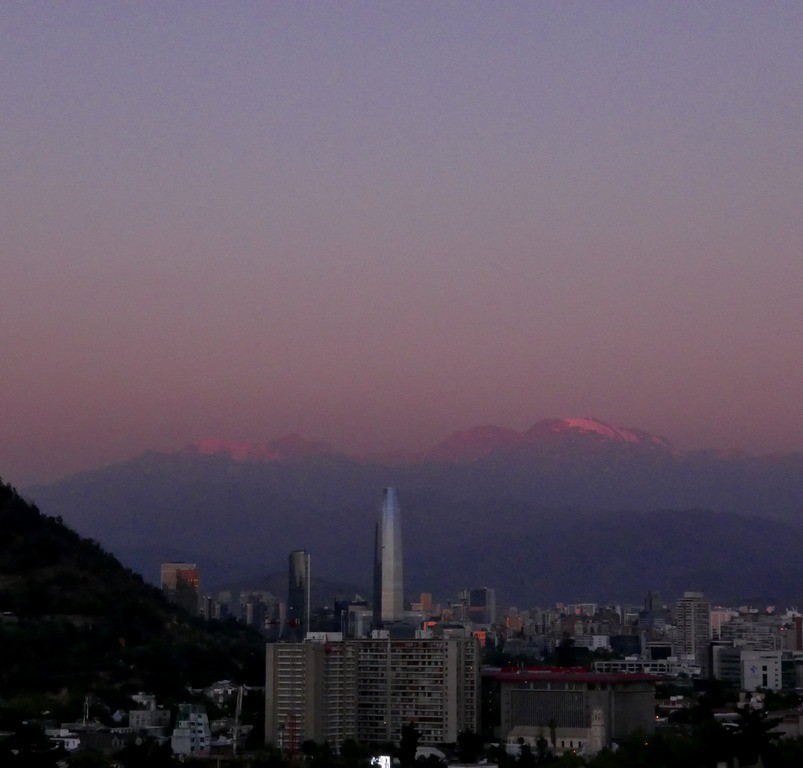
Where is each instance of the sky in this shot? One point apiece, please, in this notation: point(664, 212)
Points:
point(378, 223)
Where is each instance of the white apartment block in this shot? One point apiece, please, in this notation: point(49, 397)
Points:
point(191, 736)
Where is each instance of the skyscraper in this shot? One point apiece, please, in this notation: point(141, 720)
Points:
point(180, 585)
point(298, 594)
point(388, 577)
point(693, 618)
point(482, 605)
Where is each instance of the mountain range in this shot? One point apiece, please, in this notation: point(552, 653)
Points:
point(569, 509)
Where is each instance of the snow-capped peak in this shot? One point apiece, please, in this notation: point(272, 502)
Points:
point(594, 427)
point(587, 424)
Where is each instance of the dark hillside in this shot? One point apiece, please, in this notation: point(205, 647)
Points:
point(76, 622)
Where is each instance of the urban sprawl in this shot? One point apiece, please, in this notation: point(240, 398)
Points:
point(565, 679)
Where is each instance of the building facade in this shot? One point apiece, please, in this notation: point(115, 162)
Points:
point(577, 711)
point(310, 693)
point(192, 735)
point(693, 621)
point(433, 682)
point(298, 594)
point(328, 689)
point(180, 583)
point(388, 569)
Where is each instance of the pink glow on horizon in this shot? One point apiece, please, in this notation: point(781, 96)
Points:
point(374, 226)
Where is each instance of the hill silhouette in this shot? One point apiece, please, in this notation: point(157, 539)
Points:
point(75, 622)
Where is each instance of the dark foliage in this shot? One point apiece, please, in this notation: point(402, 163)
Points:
point(408, 745)
point(74, 621)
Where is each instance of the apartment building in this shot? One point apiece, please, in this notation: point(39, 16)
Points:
point(334, 689)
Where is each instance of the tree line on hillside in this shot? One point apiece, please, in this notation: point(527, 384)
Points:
point(75, 622)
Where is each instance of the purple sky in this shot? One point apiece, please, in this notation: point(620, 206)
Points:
point(376, 223)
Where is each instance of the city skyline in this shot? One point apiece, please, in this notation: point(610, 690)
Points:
point(374, 225)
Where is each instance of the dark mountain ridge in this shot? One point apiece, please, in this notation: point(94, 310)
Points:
point(540, 514)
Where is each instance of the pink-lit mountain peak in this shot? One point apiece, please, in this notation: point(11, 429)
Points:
point(476, 443)
point(461, 447)
point(285, 448)
point(587, 426)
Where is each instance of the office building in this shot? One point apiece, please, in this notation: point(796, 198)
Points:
point(768, 670)
point(759, 632)
point(693, 622)
point(388, 573)
point(298, 594)
point(477, 606)
point(180, 583)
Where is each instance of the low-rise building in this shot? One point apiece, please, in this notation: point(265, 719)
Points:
point(767, 670)
point(192, 735)
point(581, 711)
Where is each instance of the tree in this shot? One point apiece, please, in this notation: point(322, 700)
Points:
point(469, 747)
point(526, 757)
point(352, 753)
point(88, 758)
point(148, 754)
point(564, 652)
point(498, 755)
point(541, 750)
point(430, 761)
point(309, 749)
point(753, 739)
point(408, 745)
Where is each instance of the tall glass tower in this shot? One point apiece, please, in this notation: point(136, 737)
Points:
point(388, 575)
point(298, 595)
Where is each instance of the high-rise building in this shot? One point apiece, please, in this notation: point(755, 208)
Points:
point(328, 689)
point(432, 681)
point(180, 585)
point(482, 605)
point(298, 594)
point(388, 575)
point(310, 693)
point(693, 621)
